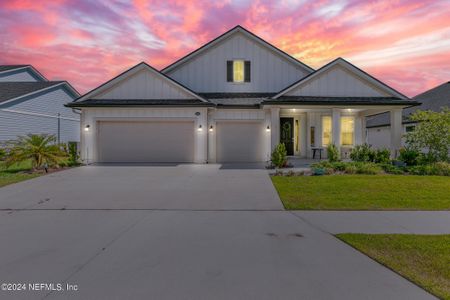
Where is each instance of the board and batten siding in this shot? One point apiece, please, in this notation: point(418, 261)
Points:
point(144, 84)
point(18, 75)
point(207, 71)
point(337, 82)
point(38, 113)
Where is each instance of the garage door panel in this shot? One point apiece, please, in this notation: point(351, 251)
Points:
point(171, 141)
point(240, 142)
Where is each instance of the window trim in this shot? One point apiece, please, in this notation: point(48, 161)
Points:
point(246, 76)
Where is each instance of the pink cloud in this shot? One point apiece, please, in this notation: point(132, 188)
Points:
point(403, 42)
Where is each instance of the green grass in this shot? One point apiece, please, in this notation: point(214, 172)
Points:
point(364, 192)
point(423, 259)
point(15, 173)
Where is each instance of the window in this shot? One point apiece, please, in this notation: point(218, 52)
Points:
point(347, 130)
point(326, 130)
point(238, 71)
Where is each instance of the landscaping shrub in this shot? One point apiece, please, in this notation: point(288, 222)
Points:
point(439, 168)
point(350, 168)
point(2, 154)
point(338, 166)
point(73, 154)
point(361, 153)
point(332, 153)
point(409, 156)
point(279, 156)
point(382, 156)
point(391, 169)
point(368, 168)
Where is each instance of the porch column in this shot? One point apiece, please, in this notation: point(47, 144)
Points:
point(336, 127)
point(363, 129)
point(275, 126)
point(396, 131)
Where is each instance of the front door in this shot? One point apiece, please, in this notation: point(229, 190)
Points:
point(287, 134)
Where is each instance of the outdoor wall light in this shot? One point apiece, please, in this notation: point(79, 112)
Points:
point(211, 128)
point(199, 128)
point(86, 128)
point(268, 128)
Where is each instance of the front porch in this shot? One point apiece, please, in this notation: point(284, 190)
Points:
point(307, 131)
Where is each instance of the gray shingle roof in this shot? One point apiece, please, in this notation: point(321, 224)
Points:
point(11, 90)
point(237, 99)
point(10, 67)
point(313, 100)
point(433, 99)
point(138, 102)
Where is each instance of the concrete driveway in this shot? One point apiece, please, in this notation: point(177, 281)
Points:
point(187, 187)
point(204, 232)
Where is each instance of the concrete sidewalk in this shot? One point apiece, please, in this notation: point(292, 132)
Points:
point(412, 222)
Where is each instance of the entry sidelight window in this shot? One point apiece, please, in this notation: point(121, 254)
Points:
point(326, 130)
point(238, 71)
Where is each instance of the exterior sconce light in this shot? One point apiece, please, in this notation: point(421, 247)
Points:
point(211, 128)
point(268, 128)
point(86, 128)
point(199, 128)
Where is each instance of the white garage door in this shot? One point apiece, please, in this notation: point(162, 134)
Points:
point(145, 141)
point(240, 142)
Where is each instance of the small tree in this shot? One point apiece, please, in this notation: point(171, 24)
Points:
point(432, 133)
point(41, 149)
point(279, 156)
point(332, 153)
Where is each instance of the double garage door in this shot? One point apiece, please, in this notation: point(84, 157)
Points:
point(174, 141)
point(159, 141)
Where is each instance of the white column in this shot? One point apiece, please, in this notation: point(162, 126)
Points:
point(212, 137)
point(336, 127)
point(274, 126)
point(396, 131)
point(363, 129)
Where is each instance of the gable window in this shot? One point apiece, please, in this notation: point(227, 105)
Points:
point(326, 130)
point(347, 130)
point(238, 71)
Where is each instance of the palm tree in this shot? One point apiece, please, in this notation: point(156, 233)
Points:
point(41, 149)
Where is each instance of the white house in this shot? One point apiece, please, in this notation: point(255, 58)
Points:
point(232, 100)
point(378, 127)
point(29, 103)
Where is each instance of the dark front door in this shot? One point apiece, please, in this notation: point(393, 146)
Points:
point(287, 134)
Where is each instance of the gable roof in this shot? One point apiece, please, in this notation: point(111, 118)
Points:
point(133, 70)
point(11, 91)
point(8, 68)
point(350, 67)
point(433, 99)
point(227, 34)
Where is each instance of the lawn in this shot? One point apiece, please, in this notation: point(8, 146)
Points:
point(423, 259)
point(364, 192)
point(15, 173)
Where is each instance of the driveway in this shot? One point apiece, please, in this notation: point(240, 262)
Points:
point(176, 232)
point(181, 187)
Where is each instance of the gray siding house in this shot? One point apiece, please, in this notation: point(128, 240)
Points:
point(232, 100)
point(29, 103)
point(378, 127)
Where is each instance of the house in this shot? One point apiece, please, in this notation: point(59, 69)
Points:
point(29, 103)
point(232, 100)
point(378, 127)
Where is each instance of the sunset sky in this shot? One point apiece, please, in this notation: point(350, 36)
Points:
point(403, 43)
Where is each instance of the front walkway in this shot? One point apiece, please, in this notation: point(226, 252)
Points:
point(408, 222)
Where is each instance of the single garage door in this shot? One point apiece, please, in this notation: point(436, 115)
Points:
point(240, 141)
point(168, 141)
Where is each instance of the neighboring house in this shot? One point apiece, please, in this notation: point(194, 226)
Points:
point(378, 127)
point(29, 103)
point(232, 100)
